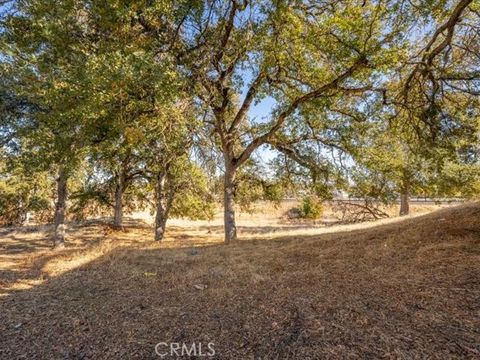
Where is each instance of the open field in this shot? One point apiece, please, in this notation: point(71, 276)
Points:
point(395, 288)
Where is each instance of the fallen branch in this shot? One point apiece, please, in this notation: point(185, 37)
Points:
point(353, 212)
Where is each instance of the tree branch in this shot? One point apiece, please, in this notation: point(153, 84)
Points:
point(332, 85)
point(251, 93)
point(429, 54)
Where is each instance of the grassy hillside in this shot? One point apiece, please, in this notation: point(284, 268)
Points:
point(404, 289)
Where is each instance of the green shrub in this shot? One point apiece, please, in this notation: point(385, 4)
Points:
point(311, 208)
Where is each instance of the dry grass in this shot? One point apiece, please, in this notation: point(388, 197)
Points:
point(400, 288)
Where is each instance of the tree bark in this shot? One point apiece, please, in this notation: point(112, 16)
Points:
point(164, 201)
point(60, 207)
point(229, 204)
point(405, 201)
point(118, 209)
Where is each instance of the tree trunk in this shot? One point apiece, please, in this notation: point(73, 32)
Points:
point(404, 201)
point(228, 205)
point(164, 201)
point(60, 207)
point(118, 210)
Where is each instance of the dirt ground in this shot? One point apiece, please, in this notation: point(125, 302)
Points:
point(404, 288)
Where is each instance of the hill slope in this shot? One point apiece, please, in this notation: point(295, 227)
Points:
point(410, 289)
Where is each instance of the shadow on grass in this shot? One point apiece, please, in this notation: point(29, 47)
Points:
point(91, 233)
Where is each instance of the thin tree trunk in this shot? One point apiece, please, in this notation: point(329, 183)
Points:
point(164, 201)
point(405, 201)
point(60, 207)
point(229, 205)
point(118, 210)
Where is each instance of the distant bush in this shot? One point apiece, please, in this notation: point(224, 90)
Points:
point(311, 208)
point(21, 195)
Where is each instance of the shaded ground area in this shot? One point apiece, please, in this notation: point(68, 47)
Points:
point(406, 289)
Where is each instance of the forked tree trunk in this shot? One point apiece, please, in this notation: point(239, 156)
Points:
point(405, 201)
point(60, 207)
point(229, 205)
point(164, 202)
point(118, 209)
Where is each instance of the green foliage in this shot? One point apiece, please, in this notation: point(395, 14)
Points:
point(274, 191)
point(22, 193)
point(87, 203)
point(311, 208)
point(193, 206)
point(457, 180)
point(253, 184)
point(193, 198)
